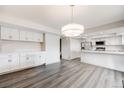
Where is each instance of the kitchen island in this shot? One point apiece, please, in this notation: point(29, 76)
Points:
point(109, 59)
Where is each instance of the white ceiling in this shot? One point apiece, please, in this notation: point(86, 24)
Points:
point(57, 16)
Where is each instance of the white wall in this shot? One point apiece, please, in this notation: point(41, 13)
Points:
point(75, 45)
point(52, 48)
point(66, 48)
point(71, 48)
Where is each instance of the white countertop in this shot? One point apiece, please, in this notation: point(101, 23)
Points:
point(104, 52)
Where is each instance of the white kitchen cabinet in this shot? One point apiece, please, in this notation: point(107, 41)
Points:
point(93, 42)
point(8, 62)
point(26, 36)
point(38, 37)
point(39, 59)
point(23, 35)
point(9, 33)
point(31, 36)
point(117, 40)
point(122, 40)
point(26, 60)
point(14, 58)
point(13, 61)
point(4, 63)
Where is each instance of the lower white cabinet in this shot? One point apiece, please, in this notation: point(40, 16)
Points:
point(14, 60)
point(4, 64)
point(26, 60)
point(8, 62)
point(31, 59)
point(39, 59)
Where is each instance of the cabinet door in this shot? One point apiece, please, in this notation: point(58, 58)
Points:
point(122, 40)
point(40, 37)
point(14, 34)
point(108, 41)
point(22, 60)
point(14, 58)
point(23, 35)
point(29, 36)
point(30, 60)
point(4, 64)
point(5, 33)
point(37, 37)
point(117, 40)
point(93, 42)
point(9, 33)
point(113, 41)
point(39, 59)
point(26, 60)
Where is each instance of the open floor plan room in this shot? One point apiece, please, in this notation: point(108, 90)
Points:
point(61, 46)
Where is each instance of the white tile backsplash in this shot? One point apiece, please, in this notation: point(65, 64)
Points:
point(18, 46)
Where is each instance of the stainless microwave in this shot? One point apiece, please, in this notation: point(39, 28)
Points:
point(100, 43)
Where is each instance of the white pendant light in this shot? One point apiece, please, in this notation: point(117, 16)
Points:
point(72, 29)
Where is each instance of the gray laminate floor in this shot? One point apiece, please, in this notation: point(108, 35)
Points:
point(64, 75)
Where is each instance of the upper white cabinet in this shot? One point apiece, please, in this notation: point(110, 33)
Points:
point(26, 36)
point(38, 37)
point(117, 40)
point(123, 39)
point(31, 36)
point(9, 33)
point(23, 35)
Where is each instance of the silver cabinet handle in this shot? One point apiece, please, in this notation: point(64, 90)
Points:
point(27, 58)
point(10, 37)
point(9, 60)
point(26, 38)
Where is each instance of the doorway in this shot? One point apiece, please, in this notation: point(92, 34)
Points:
point(60, 49)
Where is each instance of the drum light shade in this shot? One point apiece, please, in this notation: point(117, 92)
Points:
point(71, 30)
